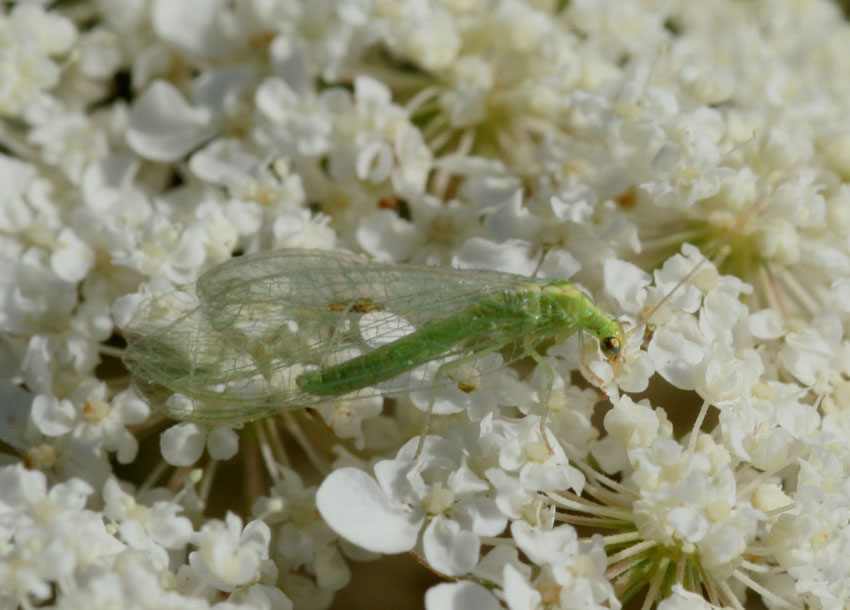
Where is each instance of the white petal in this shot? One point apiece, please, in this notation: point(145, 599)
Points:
point(127, 444)
point(387, 236)
point(375, 162)
point(52, 416)
point(519, 594)
point(72, 258)
point(573, 206)
point(222, 443)
point(635, 376)
point(15, 413)
point(841, 294)
point(355, 507)
point(133, 410)
point(107, 182)
point(482, 514)
point(766, 324)
point(460, 596)
point(681, 599)
point(447, 400)
point(21, 487)
point(492, 565)
point(626, 283)
point(182, 444)
point(512, 219)
point(805, 355)
point(276, 100)
point(371, 93)
point(401, 479)
point(611, 455)
point(54, 34)
point(513, 256)
point(99, 54)
point(164, 126)
point(632, 424)
point(559, 264)
point(193, 27)
point(542, 545)
point(675, 357)
point(332, 570)
point(464, 481)
point(257, 596)
point(449, 549)
point(689, 522)
point(223, 162)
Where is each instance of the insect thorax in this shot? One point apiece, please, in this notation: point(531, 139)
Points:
point(580, 308)
point(535, 309)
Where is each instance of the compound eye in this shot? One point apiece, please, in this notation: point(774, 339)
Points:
point(610, 346)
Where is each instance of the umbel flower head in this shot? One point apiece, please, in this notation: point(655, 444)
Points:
point(671, 433)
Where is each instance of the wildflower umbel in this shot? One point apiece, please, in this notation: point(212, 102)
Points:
point(686, 164)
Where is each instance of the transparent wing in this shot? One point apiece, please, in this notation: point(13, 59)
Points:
point(233, 352)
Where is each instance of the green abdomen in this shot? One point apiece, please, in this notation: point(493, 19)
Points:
point(387, 361)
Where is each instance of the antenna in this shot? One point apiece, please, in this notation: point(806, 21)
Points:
point(686, 278)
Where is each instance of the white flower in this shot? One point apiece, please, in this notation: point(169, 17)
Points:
point(808, 352)
point(182, 444)
point(348, 417)
point(682, 599)
point(229, 556)
point(439, 489)
point(195, 29)
point(49, 535)
point(353, 503)
point(301, 541)
point(762, 428)
point(423, 33)
point(70, 141)
point(31, 37)
point(460, 596)
point(100, 54)
point(811, 534)
point(293, 124)
point(301, 230)
point(513, 256)
point(573, 572)
point(131, 582)
point(689, 499)
point(766, 324)
point(164, 126)
point(519, 451)
point(636, 425)
point(146, 141)
point(137, 522)
point(257, 597)
point(91, 420)
point(386, 236)
point(72, 259)
point(178, 251)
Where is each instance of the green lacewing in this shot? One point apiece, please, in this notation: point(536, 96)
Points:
point(287, 329)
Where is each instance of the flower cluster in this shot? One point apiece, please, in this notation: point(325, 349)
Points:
point(686, 164)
